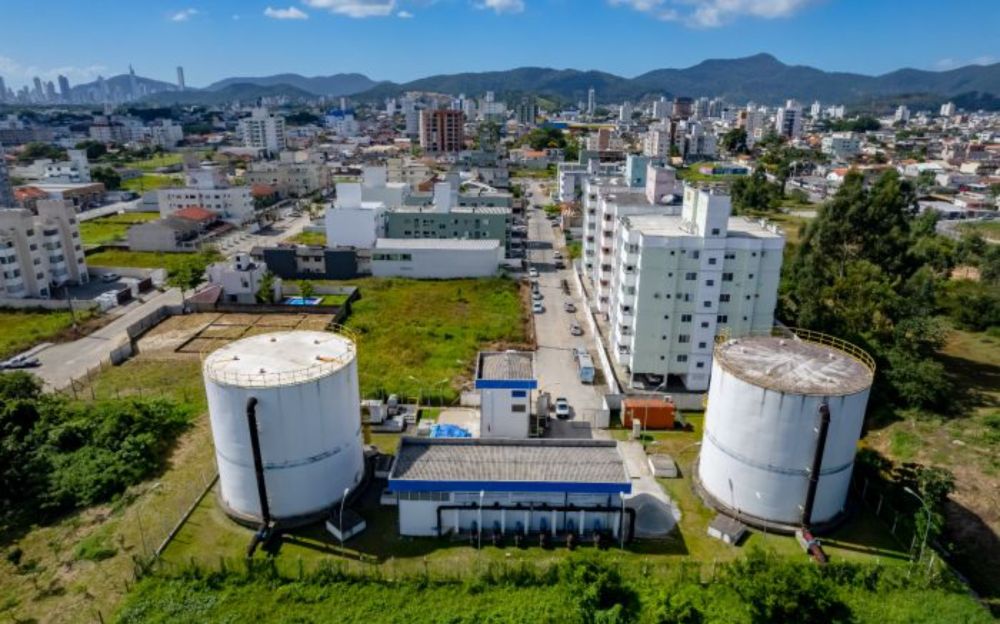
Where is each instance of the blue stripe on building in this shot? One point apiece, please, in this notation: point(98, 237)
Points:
point(407, 485)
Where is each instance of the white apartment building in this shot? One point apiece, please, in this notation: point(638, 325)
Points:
point(656, 142)
point(841, 145)
point(788, 120)
point(696, 141)
point(902, 114)
point(290, 177)
point(39, 253)
point(680, 279)
point(756, 124)
point(165, 133)
point(948, 109)
point(72, 171)
point(351, 222)
point(241, 278)
point(208, 188)
point(263, 131)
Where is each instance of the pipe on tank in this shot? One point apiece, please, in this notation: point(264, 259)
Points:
point(258, 461)
point(817, 464)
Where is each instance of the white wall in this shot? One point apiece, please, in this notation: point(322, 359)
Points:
point(497, 418)
point(444, 263)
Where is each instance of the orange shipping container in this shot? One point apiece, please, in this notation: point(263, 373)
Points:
point(652, 413)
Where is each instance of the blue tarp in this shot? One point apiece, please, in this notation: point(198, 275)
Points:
point(449, 431)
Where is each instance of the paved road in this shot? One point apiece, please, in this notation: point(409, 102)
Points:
point(243, 241)
point(61, 363)
point(556, 368)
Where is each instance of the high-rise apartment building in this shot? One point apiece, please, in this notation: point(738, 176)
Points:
point(40, 252)
point(441, 130)
point(788, 120)
point(680, 279)
point(180, 78)
point(6, 191)
point(591, 101)
point(263, 131)
point(64, 90)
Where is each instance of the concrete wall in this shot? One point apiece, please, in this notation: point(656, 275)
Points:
point(46, 304)
point(498, 420)
point(444, 263)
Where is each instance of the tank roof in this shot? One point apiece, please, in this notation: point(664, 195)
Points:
point(279, 359)
point(796, 365)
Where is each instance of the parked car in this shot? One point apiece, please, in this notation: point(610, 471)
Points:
point(569, 306)
point(557, 255)
point(537, 307)
point(537, 296)
point(107, 278)
point(575, 329)
point(562, 408)
point(532, 272)
point(560, 264)
point(20, 361)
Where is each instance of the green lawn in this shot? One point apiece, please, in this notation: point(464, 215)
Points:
point(155, 162)
point(421, 336)
point(176, 379)
point(986, 229)
point(22, 329)
point(309, 238)
point(151, 182)
point(113, 228)
point(137, 259)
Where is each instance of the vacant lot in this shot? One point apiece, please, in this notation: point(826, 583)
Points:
point(114, 228)
point(22, 329)
point(421, 336)
point(155, 162)
point(151, 182)
point(308, 238)
point(138, 259)
point(987, 229)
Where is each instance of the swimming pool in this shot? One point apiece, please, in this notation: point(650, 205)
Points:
point(303, 301)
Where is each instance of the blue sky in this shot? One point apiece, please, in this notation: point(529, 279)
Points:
point(406, 39)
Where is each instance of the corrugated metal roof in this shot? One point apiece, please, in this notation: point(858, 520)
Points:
point(535, 461)
point(506, 365)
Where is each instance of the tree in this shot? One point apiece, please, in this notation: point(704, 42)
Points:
point(106, 176)
point(265, 293)
point(190, 272)
point(306, 289)
point(754, 193)
point(95, 149)
point(37, 150)
point(735, 141)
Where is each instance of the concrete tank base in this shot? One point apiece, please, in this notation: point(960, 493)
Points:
point(253, 522)
point(781, 528)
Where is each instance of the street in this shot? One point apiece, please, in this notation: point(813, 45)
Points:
point(556, 367)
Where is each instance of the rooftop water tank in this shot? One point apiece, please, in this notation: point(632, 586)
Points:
point(308, 417)
point(764, 427)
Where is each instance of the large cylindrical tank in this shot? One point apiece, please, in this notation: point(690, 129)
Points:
point(308, 414)
point(762, 426)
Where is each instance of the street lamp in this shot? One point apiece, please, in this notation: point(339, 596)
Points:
point(482, 493)
point(927, 527)
point(343, 500)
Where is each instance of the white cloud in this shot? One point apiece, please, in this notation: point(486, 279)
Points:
point(714, 13)
point(291, 13)
point(404, 15)
point(18, 73)
point(355, 8)
point(953, 63)
point(986, 59)
point(183, 15)
point(502, 6)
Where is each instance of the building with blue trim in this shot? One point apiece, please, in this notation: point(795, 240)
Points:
point(507, 487)
point(505, 380)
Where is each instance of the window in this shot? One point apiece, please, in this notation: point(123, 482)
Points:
point(682, 358)
point(685, 318)
point(702, 345)
point(751, 276)
point(690, 276)
point(715, 231)
point(683, 338)
point(704, 324)
point(695, 254)
point(724, 298)
point(727, 277)
point(722, 318)
point(519, 394)
point(710, 282)
point(712, 260)
point(706, 304)
point(519, 408)
point(730, 256)
point(700, 365)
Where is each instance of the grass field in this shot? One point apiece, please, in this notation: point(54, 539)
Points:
point(987, 229)
point(421, 335)
point(151, 182)
point(137, 259)
point(113, 228)
point(308, 238)
point(154, 163)
point(22, 329)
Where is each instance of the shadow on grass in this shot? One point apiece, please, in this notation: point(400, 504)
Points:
point(976, 384)
point(976, 551)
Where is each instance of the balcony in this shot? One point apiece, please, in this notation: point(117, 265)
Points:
point(624, 330)
point(624, 349)
point(626, 311)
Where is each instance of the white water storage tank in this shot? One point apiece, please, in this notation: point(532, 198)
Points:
point(308, 415)
point(762, 425)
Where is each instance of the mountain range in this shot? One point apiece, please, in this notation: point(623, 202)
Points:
point(760, 78)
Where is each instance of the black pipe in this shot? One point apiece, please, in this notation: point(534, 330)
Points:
point(817, 465)
point(258, 461)
point(546, 507)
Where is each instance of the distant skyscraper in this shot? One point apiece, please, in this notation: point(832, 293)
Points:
point(947, 109)
point(180, 77)
point(3, 90)
point(788, 120)
point(50, 91)
point(6, 192)
point(133, 89)
point(39, 90)
point(64, 88)
point(591, 101)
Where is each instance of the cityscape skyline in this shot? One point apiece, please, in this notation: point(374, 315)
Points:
point(367, 36)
